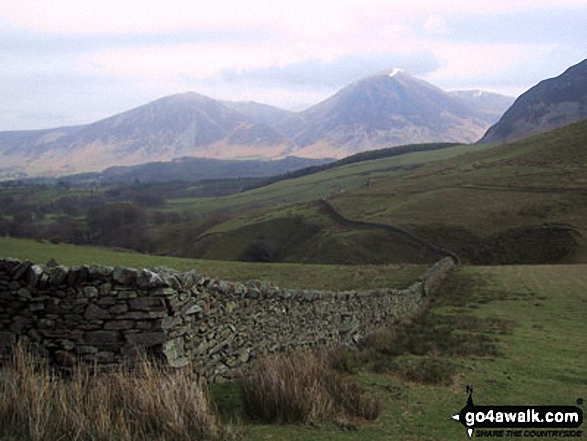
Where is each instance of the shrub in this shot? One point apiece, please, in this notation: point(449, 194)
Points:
point(300, 388)
point(149, 403)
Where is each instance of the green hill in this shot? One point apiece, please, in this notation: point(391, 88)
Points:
point(523, 202)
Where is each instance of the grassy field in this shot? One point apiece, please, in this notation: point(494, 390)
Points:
point(513, 332)
point(541, 362)
point(335, 277)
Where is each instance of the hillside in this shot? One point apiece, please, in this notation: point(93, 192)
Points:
point(552, 103)
point(520, 202)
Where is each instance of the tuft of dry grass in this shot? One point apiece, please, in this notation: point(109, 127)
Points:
point(149, 402)
point(300, 387)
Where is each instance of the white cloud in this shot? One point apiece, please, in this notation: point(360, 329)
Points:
point(165, 47)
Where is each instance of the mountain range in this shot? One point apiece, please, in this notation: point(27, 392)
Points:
point(387, 109)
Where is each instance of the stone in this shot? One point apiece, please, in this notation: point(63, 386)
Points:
point(147, 304)
point(57, 275)
point(171, 322)
point(118, 309)
point(146, 338)
point(149, 279)
point(24, 294)
point(105, 289)
point(82, 350)
point(7, 339)
point(90, 292)
point(94, 312)
point(191, 309)
point(34, 274)
point(100, 272)
point(106, 301)
point(124, 276)
point(119, 325)
point(20, 270)
point(64, 358)
point(104, 357)
point(68, 345)
point(19, 323)
point(100, 338)
point(36, 306)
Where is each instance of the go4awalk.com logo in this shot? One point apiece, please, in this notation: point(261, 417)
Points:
point(520, 421)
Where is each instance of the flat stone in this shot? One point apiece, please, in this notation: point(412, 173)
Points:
point(99, 338)
point(146, 338)
point(118, 309)
point(100, 272)
point(119, 325)
point(171, 322)
point(149, 279)
point(124, 276)
point(24, 294)
point(58, 275)
point(147, 304)
point(94, 312)
point(90, 292)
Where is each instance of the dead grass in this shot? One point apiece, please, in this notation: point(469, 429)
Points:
point(149, 403)
point(300, 387)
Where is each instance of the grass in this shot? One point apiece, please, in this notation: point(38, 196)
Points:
point(514, 332)
point(300, 387)
point(294, 276)
point(148, 403)
point(533, 316)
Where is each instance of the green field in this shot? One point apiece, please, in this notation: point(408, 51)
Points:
point(293, 276)
point(531, 318)
point(542, 359)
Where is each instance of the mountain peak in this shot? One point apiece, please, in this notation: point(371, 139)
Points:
point(392, 73)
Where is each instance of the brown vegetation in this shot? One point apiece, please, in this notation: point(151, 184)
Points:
point(147, 403)
point(300, 387)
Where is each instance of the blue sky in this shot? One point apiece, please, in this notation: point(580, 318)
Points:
point(68, 62)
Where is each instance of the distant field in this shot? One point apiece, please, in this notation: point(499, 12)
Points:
point(333, 277)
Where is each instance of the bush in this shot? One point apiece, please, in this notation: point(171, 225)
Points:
point(300, 388)
point(149, 403)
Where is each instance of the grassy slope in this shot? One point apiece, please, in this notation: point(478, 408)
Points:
point(287, 275)
point(542, 363)
point(530, 182)
point(459, 198)
point(252, 216)
point(543, 358)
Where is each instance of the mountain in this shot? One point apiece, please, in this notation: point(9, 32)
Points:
point(260, 113)
point(384, 110)
point(552, 103)
point(180, 125)
point(387, 109)
point(492, 104)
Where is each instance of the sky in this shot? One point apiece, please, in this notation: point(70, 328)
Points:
point(69, 62)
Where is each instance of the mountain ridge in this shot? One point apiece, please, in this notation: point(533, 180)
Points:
point(370, 115)
point(550, 104)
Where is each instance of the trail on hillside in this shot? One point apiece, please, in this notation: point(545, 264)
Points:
point(329, 210)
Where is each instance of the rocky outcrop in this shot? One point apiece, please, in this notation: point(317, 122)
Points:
point(105, 315)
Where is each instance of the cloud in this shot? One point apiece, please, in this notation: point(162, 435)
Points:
point(336, 73)
point(86, 59)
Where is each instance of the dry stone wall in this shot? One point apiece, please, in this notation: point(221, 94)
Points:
point(105, 315)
